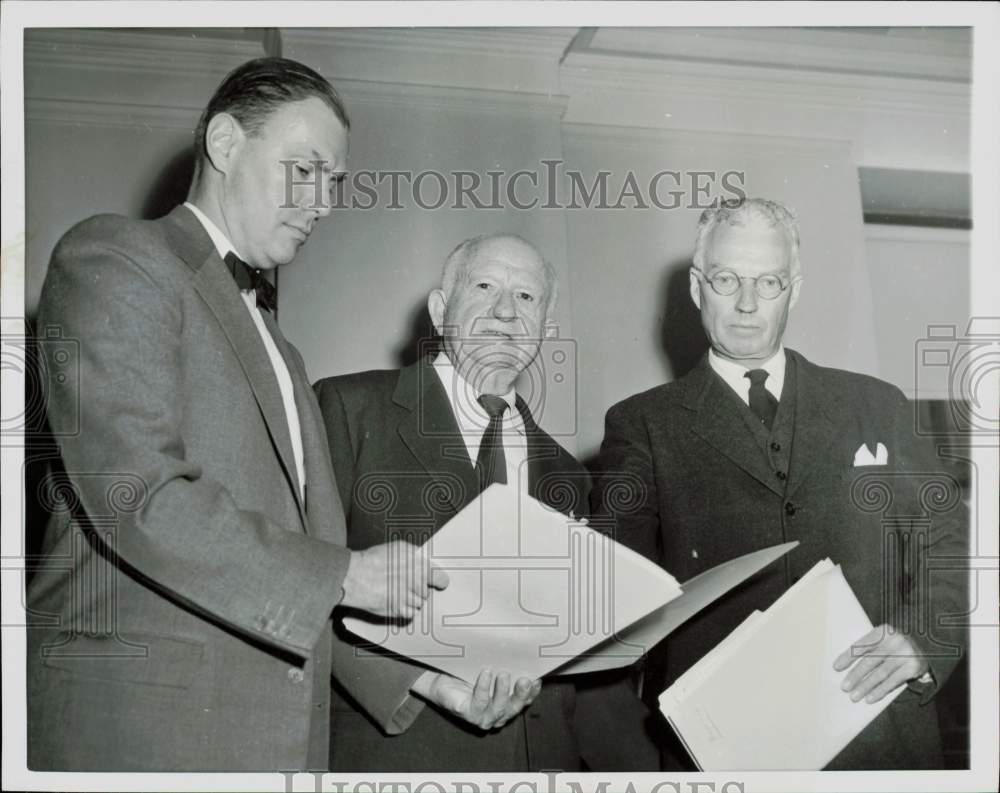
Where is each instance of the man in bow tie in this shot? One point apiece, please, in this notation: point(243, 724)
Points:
point(411, 448)
point(757, 446)
point(188, 626)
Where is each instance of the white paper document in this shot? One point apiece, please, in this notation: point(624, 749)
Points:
point(533, 592)
point(641, 636)
point(530, 589)
point(767, 698)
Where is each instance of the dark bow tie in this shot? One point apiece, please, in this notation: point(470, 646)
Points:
point(248, 278)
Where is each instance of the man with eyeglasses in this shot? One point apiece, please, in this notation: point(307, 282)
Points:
point(757, 446)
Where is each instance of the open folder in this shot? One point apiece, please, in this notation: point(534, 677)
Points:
point(767, 698)
point(534, 592)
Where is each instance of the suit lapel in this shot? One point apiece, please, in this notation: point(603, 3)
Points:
point(429, 430)
point(322, 498)
point(216, 286)
point(815, 431)
point(543, 459)
point(719, 421)
point(323, 504)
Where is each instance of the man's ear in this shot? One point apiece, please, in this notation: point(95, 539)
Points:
point(436, 304)
point(795, 294)
point(695, 287)
point(223, 140)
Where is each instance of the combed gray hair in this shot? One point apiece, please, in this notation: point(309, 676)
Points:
point(458, 261)
point(739, 212)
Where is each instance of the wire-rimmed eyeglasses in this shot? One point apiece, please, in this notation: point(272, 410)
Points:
point(726, 283)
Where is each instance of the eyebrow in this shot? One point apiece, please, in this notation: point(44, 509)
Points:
point(313, 157)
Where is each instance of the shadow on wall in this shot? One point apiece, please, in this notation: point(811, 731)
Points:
point(676, 332)
point(171, 185)
point(422, 340)
point(682, 341)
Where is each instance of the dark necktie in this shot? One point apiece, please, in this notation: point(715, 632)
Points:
point(491, 465)
point(762, 401)
point(248, 278)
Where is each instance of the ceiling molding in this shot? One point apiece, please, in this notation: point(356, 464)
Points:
point(665, 78)
point(942, 55)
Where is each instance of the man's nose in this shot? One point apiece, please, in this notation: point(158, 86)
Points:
point(747, 300)
point(322, 204)
point(504, 308)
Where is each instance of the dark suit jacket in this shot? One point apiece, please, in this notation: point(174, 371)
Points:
point(403, 472)
point(181, 612)
point(683, 479)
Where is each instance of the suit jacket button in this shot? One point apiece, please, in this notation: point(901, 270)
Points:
point(789, 508)
point(782, 476)
point(775, 446)
point(296, 675)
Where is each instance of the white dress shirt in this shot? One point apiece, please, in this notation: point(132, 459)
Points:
point(473, 419)
point(224, 246)
point(734, 374)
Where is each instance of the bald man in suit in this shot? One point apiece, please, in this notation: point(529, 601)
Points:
point(411, 448)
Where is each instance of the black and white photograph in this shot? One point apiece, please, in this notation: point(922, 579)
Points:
point(484, 397)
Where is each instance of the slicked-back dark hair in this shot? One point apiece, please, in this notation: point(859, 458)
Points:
point(253, 91)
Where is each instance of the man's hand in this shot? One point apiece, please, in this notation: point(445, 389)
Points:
point(391, 580)
point(886, 659)
point(489, 705)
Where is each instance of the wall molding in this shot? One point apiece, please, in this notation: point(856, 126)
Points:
point(505, 59)
point(542, 43)
point(641, 138)
point(76, 113)
point(718, 82)
point(142, 51)
point(942, 55)
point(882, 232)
point(440, 97)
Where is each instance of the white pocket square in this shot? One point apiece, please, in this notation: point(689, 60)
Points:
point(864, 457)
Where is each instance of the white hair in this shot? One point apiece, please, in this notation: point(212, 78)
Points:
point(740, 212)
point(459, 260)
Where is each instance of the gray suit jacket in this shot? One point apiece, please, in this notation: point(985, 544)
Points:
point(684, 480)
point(181, 611)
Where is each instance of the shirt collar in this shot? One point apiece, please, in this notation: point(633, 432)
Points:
point(733, 373)
point(470, 415)
point(219, 239)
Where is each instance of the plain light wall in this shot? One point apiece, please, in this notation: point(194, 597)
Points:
point(76, 171)
point(634, 321)
point(109, 125)
point(919, 277)
point(355, 298)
